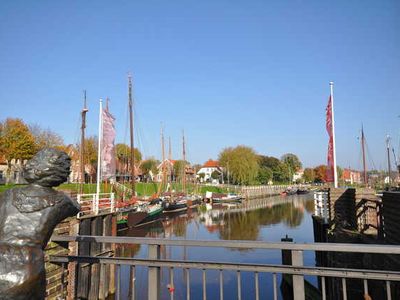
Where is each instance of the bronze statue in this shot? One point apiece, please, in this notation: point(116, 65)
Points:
point(28, 216)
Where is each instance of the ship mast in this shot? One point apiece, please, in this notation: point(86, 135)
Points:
point(82, 155)
point(363, 156)
point(184, 163)
point(132, 157)
point(164, 180)
point(388, 156)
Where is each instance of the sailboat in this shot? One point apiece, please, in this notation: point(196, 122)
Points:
point(137, 212)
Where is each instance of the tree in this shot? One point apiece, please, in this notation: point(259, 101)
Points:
point(264, 175)
point(292, 161)
point(90, 153)
point(282, 173)
point(123, 152)
point(242, 163)
point(149, 165)
point(269, 162)
point(320, 173)
point(16, 141)
point(45, 138)
point(178, 168)
point(215, 175)
point(308, 175)
point(201, 176)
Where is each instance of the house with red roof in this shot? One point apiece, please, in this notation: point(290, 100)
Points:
point(351, 176)
point(204, 174)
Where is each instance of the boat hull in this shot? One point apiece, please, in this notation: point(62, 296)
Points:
point(175, 207)
point(227, 200)
point(150, 217)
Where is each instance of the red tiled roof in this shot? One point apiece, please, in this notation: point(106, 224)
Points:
point(211, 164)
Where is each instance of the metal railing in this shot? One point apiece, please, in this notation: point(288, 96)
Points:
point(321, 208)
point(296, 271)
point(93, 205)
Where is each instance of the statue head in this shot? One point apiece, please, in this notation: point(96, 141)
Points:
point(49, 167)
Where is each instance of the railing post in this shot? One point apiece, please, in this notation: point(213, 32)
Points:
point(298, 280)
point(154, 274)
point(112, 198)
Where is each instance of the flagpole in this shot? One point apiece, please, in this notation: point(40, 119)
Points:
point(99, 156)
point(333, 139)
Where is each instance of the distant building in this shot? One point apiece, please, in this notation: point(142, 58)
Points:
point(14, 174)
point(351, 176)
point(207, 169)
point(168, 164)
point(298, 175)
point(75, 175)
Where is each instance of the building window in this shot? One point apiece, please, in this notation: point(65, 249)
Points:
point(1, 175)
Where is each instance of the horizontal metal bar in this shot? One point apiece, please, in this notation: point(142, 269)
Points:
point(266, 268)
point(328, 247)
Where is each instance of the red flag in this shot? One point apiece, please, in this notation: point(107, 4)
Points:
point(330, 167)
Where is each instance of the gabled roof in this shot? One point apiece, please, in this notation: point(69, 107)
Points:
point(170, 161)
point(211, 164)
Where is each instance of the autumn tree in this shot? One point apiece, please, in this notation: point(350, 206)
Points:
point(308, 175)
point(45, 138)
point(16, 141)
point(242, 163)
point(320, 173)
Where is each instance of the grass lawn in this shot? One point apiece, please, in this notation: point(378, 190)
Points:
point(143, 189)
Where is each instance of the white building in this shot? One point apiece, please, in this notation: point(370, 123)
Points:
point(207, 169)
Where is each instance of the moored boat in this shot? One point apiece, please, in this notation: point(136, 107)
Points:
point(302, 191)
point(226, 198)
point(175, 205)
point(153, 212)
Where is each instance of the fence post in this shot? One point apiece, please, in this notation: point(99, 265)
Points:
point(112, 202)
point(154, 274)
point(298, 280)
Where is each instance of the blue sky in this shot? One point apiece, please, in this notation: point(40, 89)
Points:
point(227, 72)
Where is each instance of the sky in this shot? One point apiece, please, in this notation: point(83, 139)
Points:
point(255, 73)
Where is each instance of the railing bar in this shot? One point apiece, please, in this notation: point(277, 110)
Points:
point(323, 288)
point(388, 290)
point(256, 286)
point(62, 279)
point(239, 285)
point(117, 282)
point(292, 270)
point(171, 283)
point(344, 288)
point(204, 285)
point(133, 282)
point(275, 286)
point(327, 247)
point(365, 287)
point(221, 285)
point(188, 284)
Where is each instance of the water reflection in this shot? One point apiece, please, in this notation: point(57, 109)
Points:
point(266, 219)
point(243, 221)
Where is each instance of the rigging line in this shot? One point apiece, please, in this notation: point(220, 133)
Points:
point(369, 155)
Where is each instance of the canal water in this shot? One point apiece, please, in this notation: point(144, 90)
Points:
point(268, 219)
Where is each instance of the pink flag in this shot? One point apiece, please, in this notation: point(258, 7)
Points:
point(108, 149)
point(330, 167)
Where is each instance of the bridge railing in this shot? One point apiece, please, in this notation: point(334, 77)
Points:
point(296, 271)
point(91, 204)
